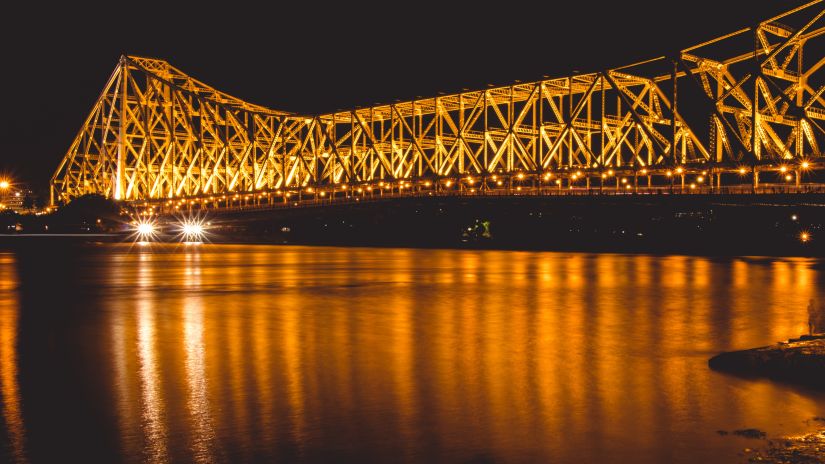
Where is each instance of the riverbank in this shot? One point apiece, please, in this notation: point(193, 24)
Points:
point(763, 225)
point(800, 361)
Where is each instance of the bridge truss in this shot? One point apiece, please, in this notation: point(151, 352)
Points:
point(746, 103)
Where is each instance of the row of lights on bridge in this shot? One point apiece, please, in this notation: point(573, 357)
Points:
point(469, 180)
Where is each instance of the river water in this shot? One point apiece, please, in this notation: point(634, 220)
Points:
point(243, 353)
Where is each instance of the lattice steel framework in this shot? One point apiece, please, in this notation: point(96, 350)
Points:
point(756, 95)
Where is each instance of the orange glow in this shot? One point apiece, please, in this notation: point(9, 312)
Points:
point(527, 349)
point(12, 410)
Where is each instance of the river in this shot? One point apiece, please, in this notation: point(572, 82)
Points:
point(253, 353)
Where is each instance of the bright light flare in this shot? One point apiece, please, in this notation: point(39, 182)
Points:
point(192, 229)
point(144, 230)
point(4, 184)
point(804, 237)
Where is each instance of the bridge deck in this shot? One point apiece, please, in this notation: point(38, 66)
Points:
point(271, 201)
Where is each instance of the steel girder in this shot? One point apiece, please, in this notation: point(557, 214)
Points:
point(157, 133)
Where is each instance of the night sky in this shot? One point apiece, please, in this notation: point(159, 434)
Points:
point(312, 58)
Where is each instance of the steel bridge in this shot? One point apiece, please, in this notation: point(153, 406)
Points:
point(739, 113)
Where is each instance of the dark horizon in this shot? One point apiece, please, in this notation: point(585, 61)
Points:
point(62, 60)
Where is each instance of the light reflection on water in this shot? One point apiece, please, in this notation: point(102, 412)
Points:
point(14, 438)
point(259, 353)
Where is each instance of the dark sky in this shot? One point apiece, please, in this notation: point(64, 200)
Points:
point(315, 58)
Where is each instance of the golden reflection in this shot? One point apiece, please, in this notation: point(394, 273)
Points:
point(293, 363)
point(401, 309)
point(198, 402)
point(285, 351)
point(153, 404)
point(234, 372)
point(9, 386)
point(266, 388)
point(125, 366)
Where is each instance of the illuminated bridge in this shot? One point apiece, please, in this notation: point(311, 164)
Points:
point(739, 113)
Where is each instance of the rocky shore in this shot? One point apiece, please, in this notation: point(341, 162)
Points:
point(800, 361)
point(806, 449)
